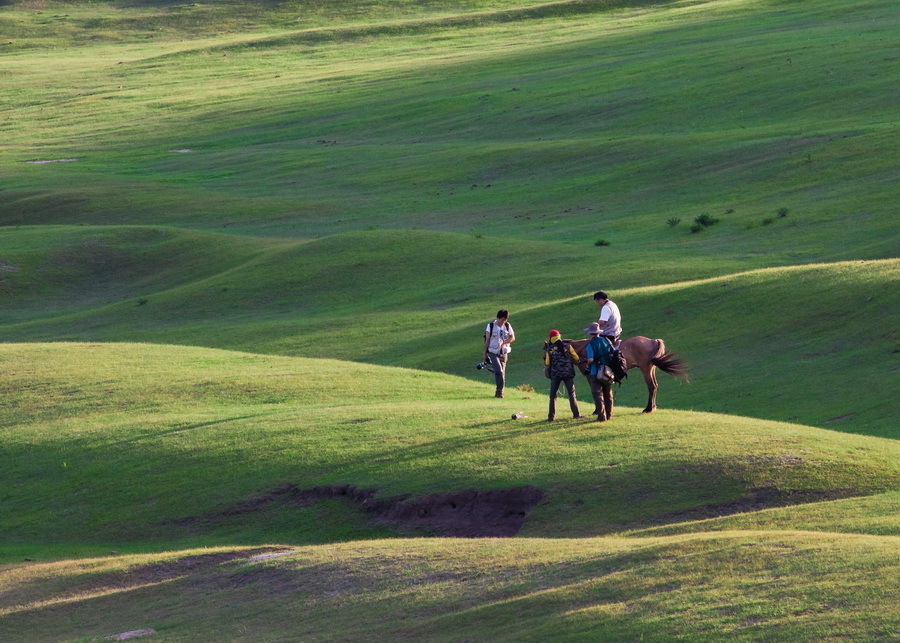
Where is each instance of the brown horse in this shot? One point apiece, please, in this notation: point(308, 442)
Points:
point(646, 354)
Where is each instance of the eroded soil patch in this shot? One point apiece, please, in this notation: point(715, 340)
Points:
point(470, 514)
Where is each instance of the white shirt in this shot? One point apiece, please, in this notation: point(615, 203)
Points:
point(498, 335)
point(610, 320)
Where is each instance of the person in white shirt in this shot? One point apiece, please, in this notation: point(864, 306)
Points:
point(610, 319)
point(497, 337)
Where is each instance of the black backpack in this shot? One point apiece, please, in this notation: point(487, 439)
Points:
point(618, 365)
point(561, 364)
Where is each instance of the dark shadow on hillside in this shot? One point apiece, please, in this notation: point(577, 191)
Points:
point(757, 499)
point(468, 514)
point(186, 427)
point(494, 513)
point(506, 429)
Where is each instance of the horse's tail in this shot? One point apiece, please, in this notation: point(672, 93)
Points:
point(671, 363)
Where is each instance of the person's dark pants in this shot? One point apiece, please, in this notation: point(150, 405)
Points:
point(498, 364)
point(570, 389)
point(603, 398)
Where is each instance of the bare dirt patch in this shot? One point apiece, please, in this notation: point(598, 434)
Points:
point(468, 514)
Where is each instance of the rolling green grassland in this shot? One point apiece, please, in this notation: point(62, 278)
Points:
point(743, 586)
point(247, 254)
point(166, 433)
point(760, 343)
point(143, 448)
point(548, 128)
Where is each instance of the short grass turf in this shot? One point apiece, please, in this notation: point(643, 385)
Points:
point(119, 443)
point(743, 585)
point(763, 343)
point(599, 125)
point(582, 138)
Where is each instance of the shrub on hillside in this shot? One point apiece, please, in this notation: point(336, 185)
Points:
point(706, 220)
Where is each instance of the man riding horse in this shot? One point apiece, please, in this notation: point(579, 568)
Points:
point(640, 352)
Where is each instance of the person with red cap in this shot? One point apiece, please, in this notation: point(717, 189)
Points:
point(560, 359)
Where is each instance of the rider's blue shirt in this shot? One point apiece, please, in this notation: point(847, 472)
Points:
point(599, 349)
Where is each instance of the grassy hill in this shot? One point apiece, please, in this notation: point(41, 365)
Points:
point(448, 167)
point(741, 585)
point(247, 252)
point(769, 342)
point(129, 441)
point(544, 126)
point(137, 448)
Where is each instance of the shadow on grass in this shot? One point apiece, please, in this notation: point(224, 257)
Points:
point(188, 427)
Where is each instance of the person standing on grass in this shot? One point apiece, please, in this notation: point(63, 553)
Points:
point(610, 319)
point(497, 337)
point(560, 359)
point(598, 352)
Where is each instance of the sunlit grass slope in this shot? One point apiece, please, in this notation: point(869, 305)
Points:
point(810, 344)
point(110, 444)
point(744, 586)
point(543, 126)
point(325, 184)
point(870, 515)
point(136, 447)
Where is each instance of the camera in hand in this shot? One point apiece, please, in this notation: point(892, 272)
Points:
point(481, 365)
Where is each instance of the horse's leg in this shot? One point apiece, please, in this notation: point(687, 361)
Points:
point(649, 372)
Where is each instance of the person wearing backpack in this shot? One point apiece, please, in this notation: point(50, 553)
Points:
point(599, 352)
point(497, 337)
point(560, 359)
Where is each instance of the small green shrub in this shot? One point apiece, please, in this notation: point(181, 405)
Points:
point(673, 221)
point(782, 212)
point(696, 227)
point(601, 242)
point(706, 220)
point(768, 221)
